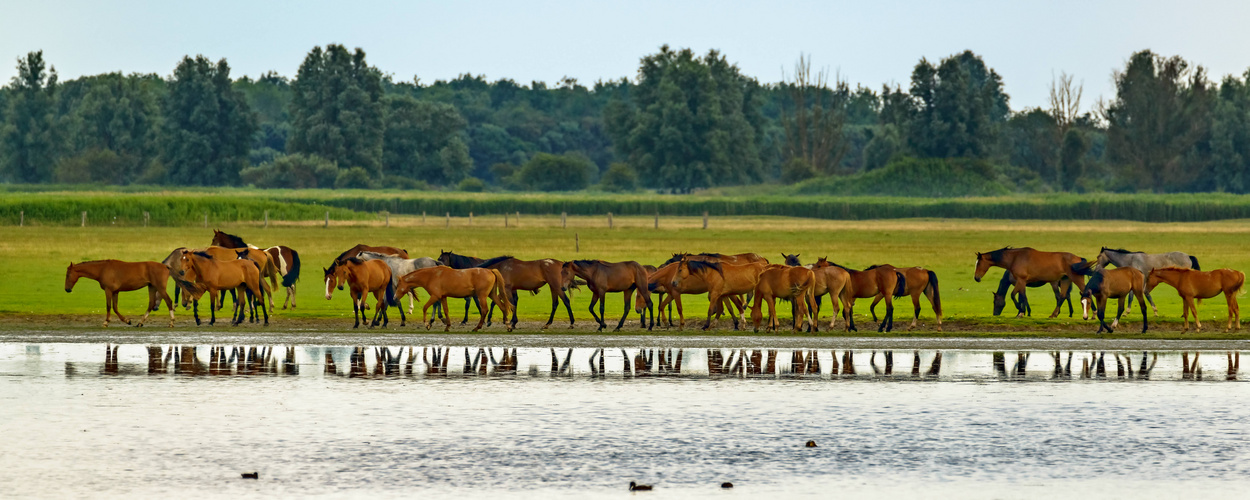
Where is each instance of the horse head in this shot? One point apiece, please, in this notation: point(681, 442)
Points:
point(821, 262)
point(334, 277)
point(984, 262)
point(791, 260)
point(71, 277)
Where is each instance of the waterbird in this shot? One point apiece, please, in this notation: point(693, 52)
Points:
point(639, 487)
point(726, 485)
point(251, 475)
point(810, 444)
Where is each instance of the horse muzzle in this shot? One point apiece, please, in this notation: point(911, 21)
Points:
point(976, 278)
point(68, 290)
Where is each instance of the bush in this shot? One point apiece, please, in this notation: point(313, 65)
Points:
point(294, 171)
point(548, 172)
point(620, 177)
point(96, 166)
point(915, 177)
point(797, 170)
point(471, 185)
point(354, 178)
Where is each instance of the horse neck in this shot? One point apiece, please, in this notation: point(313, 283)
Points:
point(91, 269)
point(1119, 259)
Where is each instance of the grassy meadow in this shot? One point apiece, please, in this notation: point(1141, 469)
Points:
point(35, 258)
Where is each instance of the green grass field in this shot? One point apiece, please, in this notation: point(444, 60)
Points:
point(35, 257)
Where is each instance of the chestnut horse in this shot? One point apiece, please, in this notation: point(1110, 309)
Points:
point(1193, 284)
point(610, 277)
point(661, 281)
point(285, 260)
point(531, 275)
point(917, 281)
point(882, 282)
point(830, 280)
point(793, 283)
point(442, 282)
point(214, 275)
point(740, 258)
point(1121, 282)
point(723, 281)
point(1028, 265)
point(362, 278)
point(116, 276)
point(354, 251)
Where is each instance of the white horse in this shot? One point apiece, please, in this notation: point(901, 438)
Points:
point(400, 267)
point(1145, 262)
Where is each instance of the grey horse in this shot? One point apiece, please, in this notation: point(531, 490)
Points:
point(401, 267)
point(1145, 262)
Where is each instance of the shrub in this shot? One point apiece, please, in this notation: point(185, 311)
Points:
point(620, 177)
point(471, 185)
point(98, 166)
point(548, 172)
point(796, 170)
point(353, 178)
point(294, 171)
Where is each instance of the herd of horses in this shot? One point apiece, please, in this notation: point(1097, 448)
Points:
point(732, 283)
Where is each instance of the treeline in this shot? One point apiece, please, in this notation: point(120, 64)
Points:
point(684, 122)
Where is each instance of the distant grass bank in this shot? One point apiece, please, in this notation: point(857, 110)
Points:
point(185, 206)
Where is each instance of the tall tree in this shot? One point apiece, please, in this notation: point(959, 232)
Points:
point(1160, 112)
point(958, 107)
point(417, 133)
point(1230, 136)
point(208, 125)
point(336, 108)
point(30, 139)
point(815, 118)
point(688, 122)
point(120, 114)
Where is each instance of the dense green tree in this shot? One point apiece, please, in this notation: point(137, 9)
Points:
point(1033, 139)
point(208, 126)
point(1072, 153)
point(270, 97)
point(117, 114)
point(293, 171)
point(688, 122)
point(336, 109)
point(1161, 111)
point(956, 108)
point(548, 172)
point(619, 177)
point(1230, 136)
point(417, 133)
point(886, 143)
point(30, 138)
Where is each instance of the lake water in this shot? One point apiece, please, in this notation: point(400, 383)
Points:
point(968, 420)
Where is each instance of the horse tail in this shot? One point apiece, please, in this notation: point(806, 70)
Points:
point(1241, 281)
point(1193, 262)
point(1083, 268)
point(937, 298)
point(292, 270)
point(498, 289)
point(390, 294)
point(900, 289)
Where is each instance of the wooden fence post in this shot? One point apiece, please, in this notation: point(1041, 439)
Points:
point(388, 218)
point(205, 219)
point(564, 220)
point(146, 218)
point(505, 219)
point(327, 218)
point(657, 219)
point(448, 220)
point(423, 216)
point(266, 219)
point(577, 243)
point(705, 219)
point(470, 218)
point(518, 218)
point(609, 220)
point(84, 218)
point(22, 221)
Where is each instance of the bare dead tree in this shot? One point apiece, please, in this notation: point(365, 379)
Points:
point(814, 126)
point(1065, 101)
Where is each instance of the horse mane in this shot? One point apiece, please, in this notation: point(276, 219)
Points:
point(874, 266)
point(1095, 282)
point(1118, 250)
point(698, 265)
point(712, 254)
point(493, 261)
point(349, 250)
point(458, 261)
point(355, 260)
point(587, 263)
point(204, 254)
point(998, 254)
point(676, 257)
point(233, 238)
point(844, 268)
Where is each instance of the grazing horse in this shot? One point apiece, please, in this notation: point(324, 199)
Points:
point(793, 283)
point(661, 281)
point(442, 282)
point(1145, 262)
point(1193, 284)
point(362, 278)
point(723, 281)
point(1062, 288)
point(214, 275)
point(882, 282)
point(399, 267)
point(917, 281)
point(185, 289)
point(1028, 265)
point(1120, 282)
point(741, 258)
point(611, 277)
point(116, 276)
point(532, 275)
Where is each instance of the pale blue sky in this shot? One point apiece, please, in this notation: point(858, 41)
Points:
point(867, 42)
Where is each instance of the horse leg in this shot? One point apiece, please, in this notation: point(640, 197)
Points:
point(356, 308)
point(681, 314)
point(1152, 304)
point(1186, 305)
point(412, 302)
point(1233, 313)
point(1023, 303)
point(483, 313)
point(555, 305)
point(515, 301)
point(1120, 311)
point(594, 299)
point(1102, 310)
point(1193, 306)
point(887, 324)
point(108, 307)
point(603, 318)
point(564, 297)
point(169, 304)
point(467, 301)
point(915, 304)
point(872, 308)
point(848, 313)
point(629, 296)
point(1142, 303)
point(115, 309)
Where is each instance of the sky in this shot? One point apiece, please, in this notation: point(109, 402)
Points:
point(864, 42)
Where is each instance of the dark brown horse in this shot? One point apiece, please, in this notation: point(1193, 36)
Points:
point(918, 281)
point(116, 276)
point(1120, 283)
point(610, 277)
point(881, 282)
point(1192, 284)
point(1028, 265)
point(531, 275)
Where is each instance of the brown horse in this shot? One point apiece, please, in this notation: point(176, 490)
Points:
point(1120, 283)
point(610, 277)
point(661, 281)
point(793, 283)
point(1028, 265)
point(116, 276)
point(442, 282)
point(287, 261)
point(1192, 284)
point(831, 280)
point(882, 282)
point(723, 281)
point(532, 275)
point(267, 268)
point(214, 275)
point(184, 289)
point(354, 251)
point(738, 259)
point(362, 278)
point(919, 281)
